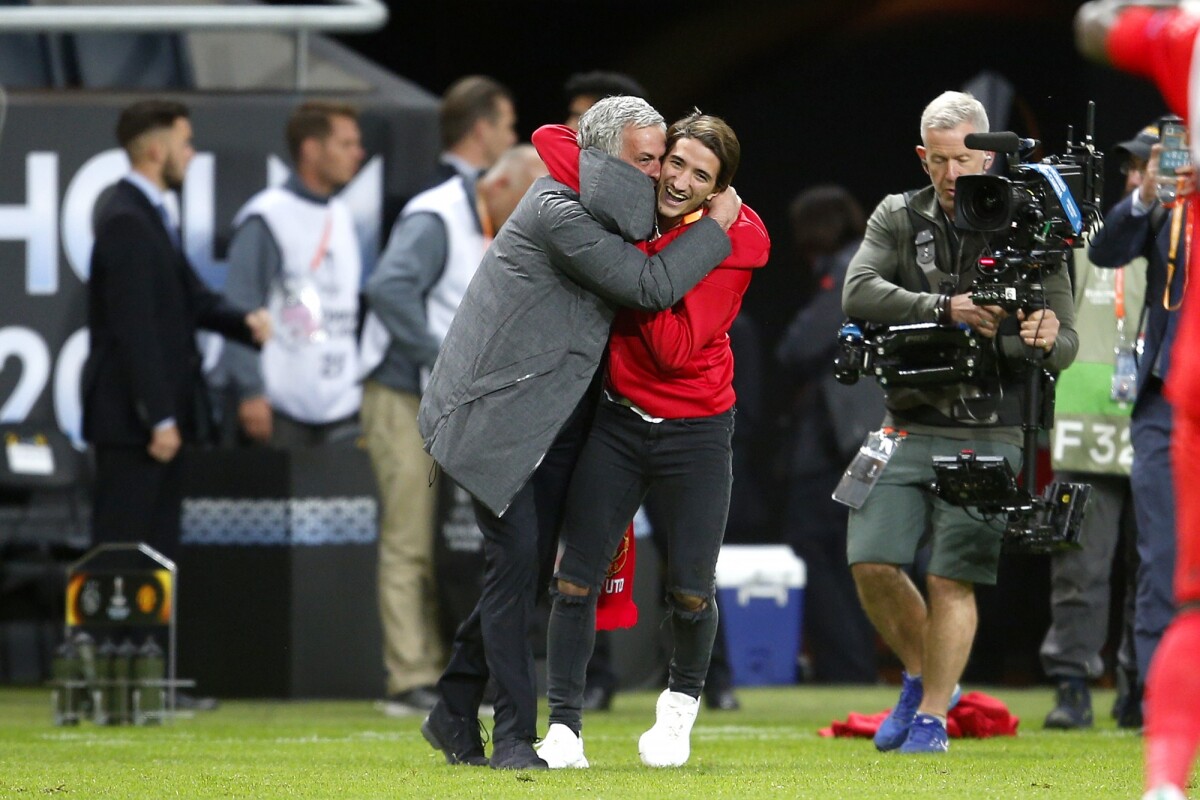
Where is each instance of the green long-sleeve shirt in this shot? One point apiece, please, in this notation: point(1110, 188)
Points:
point(886, 285)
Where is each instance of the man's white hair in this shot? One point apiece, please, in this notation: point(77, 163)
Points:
point(951, 109)
point(603, 125)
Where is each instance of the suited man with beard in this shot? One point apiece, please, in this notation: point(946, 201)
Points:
point(142, 377)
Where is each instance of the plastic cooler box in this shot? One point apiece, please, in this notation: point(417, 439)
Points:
point(760, 593)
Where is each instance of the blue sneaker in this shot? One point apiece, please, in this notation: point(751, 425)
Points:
point(894, 730)
point(927, 734)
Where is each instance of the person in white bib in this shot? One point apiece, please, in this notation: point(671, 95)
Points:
point(295, 250)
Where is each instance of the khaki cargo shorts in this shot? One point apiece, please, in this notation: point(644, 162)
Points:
point(901, 515)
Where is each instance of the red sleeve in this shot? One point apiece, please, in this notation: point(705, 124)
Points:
point(674, 336)
point(557, 146)
point(1158, 45)
point(1183, 377)
point(749, 240)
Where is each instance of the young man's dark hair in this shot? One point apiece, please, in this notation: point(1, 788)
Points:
point(147, 115)
point(467, 100)
point(314, 120)
point(599, 84)
point(713, 133)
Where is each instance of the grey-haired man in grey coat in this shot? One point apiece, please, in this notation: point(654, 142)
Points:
point(508, 403)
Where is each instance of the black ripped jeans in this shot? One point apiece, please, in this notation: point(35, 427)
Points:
point(686, 466)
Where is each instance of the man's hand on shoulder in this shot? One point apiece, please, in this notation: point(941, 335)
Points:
point(725, 207)
point(259, 323)
point(254, 414)
point(164, 443)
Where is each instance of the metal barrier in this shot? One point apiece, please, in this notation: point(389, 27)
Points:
point(349, 16)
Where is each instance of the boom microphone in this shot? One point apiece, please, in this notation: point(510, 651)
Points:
point(1000, 142)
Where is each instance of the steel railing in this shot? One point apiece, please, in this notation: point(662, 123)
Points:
point(348, 16)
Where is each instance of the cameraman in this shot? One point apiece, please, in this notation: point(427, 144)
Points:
point(915, 266)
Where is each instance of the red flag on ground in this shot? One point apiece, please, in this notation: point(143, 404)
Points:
point(615, 607)
point(977, 715)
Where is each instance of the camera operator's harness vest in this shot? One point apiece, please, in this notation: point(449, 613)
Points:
point(992, 400)
point(924, 232)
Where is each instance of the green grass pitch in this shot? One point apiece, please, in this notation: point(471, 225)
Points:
point(255, 749)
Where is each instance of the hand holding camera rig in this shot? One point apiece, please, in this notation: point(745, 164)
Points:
point(1031, 217)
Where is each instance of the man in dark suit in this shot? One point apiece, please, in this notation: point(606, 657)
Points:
point(142, 378)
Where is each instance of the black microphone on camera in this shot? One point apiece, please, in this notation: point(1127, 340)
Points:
point(999, 142)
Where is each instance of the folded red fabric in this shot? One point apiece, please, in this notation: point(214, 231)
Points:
point(977, 716)
point(615, 607)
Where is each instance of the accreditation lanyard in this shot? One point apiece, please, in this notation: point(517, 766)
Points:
point(1119, 300)
point(486, 226)
point(323, 245)
point(1119, 307)
point(1177, 222)
point(695, 216)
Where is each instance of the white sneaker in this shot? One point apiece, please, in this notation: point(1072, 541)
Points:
point(1166, 791)
point(668, 743)
point(562, 749)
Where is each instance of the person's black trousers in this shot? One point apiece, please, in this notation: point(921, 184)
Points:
point(519, 550)
point(136, 499)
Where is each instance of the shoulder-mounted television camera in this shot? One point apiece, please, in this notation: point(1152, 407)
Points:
point(1032, 215)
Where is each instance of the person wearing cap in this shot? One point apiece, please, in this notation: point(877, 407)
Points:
point(1139, 225)
point(1134, 155)
point(1091, 445)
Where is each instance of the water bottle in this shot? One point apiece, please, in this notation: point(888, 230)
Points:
point(65, 671)
point(1124, 379)
point(85, 647)
point(122, 674)
point(867, 465)
point(149, 674)
point(102, 703)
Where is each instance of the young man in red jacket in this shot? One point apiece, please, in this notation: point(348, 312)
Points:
point(663, 428)
point(1159, 44)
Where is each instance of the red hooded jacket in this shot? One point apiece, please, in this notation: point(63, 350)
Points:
point(674, 363)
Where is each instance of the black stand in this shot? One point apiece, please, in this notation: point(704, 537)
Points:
point(1046, 524)
point(1031, 418)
